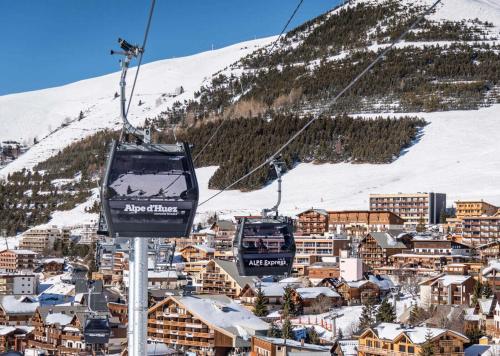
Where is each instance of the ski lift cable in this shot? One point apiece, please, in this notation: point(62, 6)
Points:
point(318, 115)
point(269, 52)
point(146, 33)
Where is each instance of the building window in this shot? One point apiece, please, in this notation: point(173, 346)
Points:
point(411, 349)
point(402, 348)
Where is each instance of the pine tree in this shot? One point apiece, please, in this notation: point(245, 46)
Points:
point(385, 312)
point(477, 292)
point(312, 336)
point(288, 304)
point(474, 334)
point(428, 347)
point(274, 331)
point(487, 292)
point(366, 320)
point(259, 307)
point(287, 331)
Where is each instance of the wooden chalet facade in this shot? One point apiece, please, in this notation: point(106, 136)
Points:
point(315, 300)
point(376, 248)
point(222, 277)
point(396, 340)
point(59, 330)
point(205, 325)
point(358, 292)
point(196, 253)
point(312, 222)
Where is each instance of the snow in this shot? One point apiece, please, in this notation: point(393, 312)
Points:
point(314, 292)
point(452, 279)
point(37, 113)
point(58, 318)
point(5, 330)
point(16, 305)
point(60, 288)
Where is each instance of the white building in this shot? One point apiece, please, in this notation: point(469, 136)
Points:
point(351, 268)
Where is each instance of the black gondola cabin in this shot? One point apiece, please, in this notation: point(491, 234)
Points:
point(97, 330)
point(265, 246)
point(149, 190)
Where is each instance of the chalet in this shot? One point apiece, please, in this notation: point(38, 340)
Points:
point(17, 260)
point(312, 222)
point(270, 346)
point(195, 253)
point(346, 347)
point(273, 294)
point(491, 274)
point(358, 292)
point(376, 248)
point(489, 251)
point(165, 279)
point(17, 310)
point(14, 338)
point(58, 330)
point(447, 289)
point(426, 261)
point(321, 270)
point(222, 277)
point(394, 339)
point(224, 231)
point(359, 222)
point(203, 324)
point(485, 310)
point(440, 247)
point(315, 299)
point(53, 266)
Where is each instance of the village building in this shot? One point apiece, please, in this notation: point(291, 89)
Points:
point(447, 289)
point(17, 260)
point(358, 292)
point(58, 330)
point(203, 324)
point(414, 208)
point(346, 347)
point(315, 300)
point(312, 222)
point(480, 230)
point(16, 311)
point(491, 275)
point(41, 240)
point(473, 208)
point(222, 277)
point(399, 340)
point(18, 283)
point(196, 253)
point(53, 266)
point(310, 249)
point(488, 251)
point(320, 270)
point(273, 294)
point(376, 248)
point(358, 223)
point(14, 339)
point(270, 346)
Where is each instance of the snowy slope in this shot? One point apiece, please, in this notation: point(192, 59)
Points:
point(457, 154)
point(37, 113)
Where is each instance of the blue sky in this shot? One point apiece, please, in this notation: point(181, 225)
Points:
point(47, 43)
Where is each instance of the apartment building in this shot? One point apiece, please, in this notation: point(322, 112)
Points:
point(197, 253)
point(312, 248)
point(18, 284)
point(412, 208)
point(400, 340)
point(207, 325)
point(312, 222)
point(41, 240)
point(491, 274)
point(471, 208)
point(376, 248)
point(17, 260)
point(59, 330)
point(359, 222)
point(447, 289)
point(222, 277)
point(480, 229)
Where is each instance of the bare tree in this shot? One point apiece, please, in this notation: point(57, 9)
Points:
point(321, 305)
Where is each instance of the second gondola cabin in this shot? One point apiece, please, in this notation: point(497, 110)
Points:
point(264, 246)
point(149, 190)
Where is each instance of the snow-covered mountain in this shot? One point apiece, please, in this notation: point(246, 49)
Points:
point(457, 153)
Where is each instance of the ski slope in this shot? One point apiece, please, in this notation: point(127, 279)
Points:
point(457, 154)
point(25, 116)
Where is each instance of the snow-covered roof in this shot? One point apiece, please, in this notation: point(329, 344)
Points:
point(448, 279)
point(492, 266)
point(222, 312)
point(386, 240)
point(314, 292)
point(356, 284)
point(272, 289)
point(5, 330)
point(349, 347)
point(163, 274)
point(383, 282)
point(21, 252)
point(60, 288)
point(18, 305)
point(55, 260)
point(295, 344)
point(204, 248)
point(389, 331)
point(58, 318)
point(486, 304)
point(290, 280)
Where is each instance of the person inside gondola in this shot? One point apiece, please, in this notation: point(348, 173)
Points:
point(261, 246)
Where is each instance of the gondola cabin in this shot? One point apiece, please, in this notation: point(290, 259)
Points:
point(97, 330)
point(264, 246)
point(149, 190)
